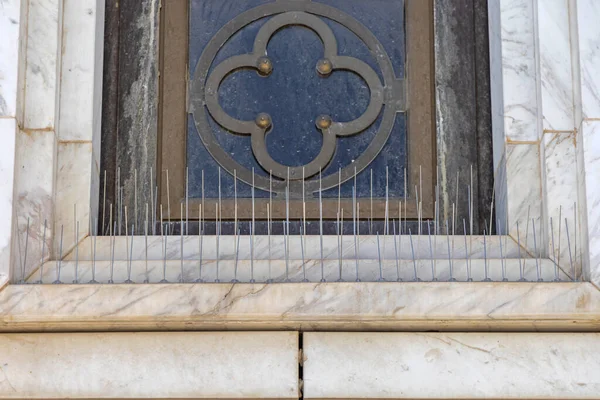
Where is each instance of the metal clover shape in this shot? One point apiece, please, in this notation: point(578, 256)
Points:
point(258, 128)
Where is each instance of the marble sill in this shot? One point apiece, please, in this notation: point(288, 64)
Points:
point(382, 306)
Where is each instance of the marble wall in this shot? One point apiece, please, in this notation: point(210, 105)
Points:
point(540, 102)
point(545, 100)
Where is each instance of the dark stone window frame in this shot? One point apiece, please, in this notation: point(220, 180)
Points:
point(134, 92)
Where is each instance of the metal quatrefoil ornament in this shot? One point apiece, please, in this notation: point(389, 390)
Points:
point(388, 95)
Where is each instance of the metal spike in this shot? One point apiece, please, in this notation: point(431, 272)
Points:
point(181, 279)
point(129, 263)
point(371, 219)
point(469, 278)
point(341, 244)
point(169, 202)
point(217, 239)
point(485, 260)
point(119, 208)
point(76, 280)
point(187, 197)
point(113, 232)
point(126, 233)
point(450, 263)
point(321, 224)
point(287, 213)
point(559, 242)
point(379, 258)
point(521, 266)
point(285, 251)
point(433, 278)
point(416, 278)
point(237, 254)
point(355, 228)
point(303, 209)
point(386, 230)
point(502, 259)
point(135, 210)
point(252, 253)
point(357, 240)
point(200, 243)
point(26, 248)
point(43, 249)
point(573, 273)
point(164, 248)
point(147, 278)
point(535, 253)
point(398, 279)
point(104, 206)
point(152, 203)
point(556, 278)
point(202, 203)
point(302, 252)
point(575, 228)
point(339, 205)
point(235, 204)
point(269, 280)
point(93, 281)
point(60, 256)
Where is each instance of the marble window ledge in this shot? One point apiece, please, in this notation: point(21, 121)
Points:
point(436, 258)
point(440, 306)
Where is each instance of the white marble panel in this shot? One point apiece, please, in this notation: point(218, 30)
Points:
point(519, 70)
point(172, 271)
point(73, 177)
point(561, 197)
point(41, 70)
point(591, 158)
point(190, 247)
point(555, 65)
point(10, 21)
point(524, 192)
point(451, 365)
point(349, 306)
point(8, 132)
point(78, 70)
point(34, 185)
point(588, 13)
point(149, 365)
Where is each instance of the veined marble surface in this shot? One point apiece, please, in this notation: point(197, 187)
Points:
point(556, 69)
point(10, 25)
point(442, 247)
point(154, 271)
point(307, 306)
point(8, 132)
point(451, 365)
point(156, 365)
point(591, 159)
point(588, 14)
point(519, 70)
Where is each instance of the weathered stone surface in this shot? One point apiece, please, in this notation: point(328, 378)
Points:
point(149, 365)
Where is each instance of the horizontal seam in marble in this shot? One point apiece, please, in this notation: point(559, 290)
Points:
point(8, 117)
point(591, 119)
point(551, 131)
point(74, 141)
point(510, 141)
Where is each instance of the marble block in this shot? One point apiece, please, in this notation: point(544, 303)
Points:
point(8, 132)
point(149, 365)
point(9, 56)
point(341, 306)
point(451, 365)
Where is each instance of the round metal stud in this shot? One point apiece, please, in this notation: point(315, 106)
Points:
point(324, 67)
point(263, 120)
point(264, 66)
point(323, 121)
